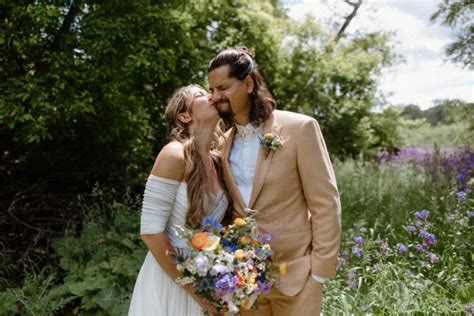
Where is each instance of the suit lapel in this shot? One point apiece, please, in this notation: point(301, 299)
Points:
point(263, 163)
point(239, 204)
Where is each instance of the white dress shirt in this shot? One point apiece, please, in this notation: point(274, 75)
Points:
point(243, 160)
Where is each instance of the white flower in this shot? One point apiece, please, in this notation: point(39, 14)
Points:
point(219, 268)
point(212, 243)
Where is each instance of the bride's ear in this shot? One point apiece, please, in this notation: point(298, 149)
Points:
point(249, 83)
point(184, 118)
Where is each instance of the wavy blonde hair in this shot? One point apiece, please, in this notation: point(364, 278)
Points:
point(198, 171)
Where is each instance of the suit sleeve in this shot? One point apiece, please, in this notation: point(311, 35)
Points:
point(321, 194)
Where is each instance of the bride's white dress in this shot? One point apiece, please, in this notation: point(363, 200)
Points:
point(164, 205)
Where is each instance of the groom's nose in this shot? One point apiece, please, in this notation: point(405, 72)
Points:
point(215, 96)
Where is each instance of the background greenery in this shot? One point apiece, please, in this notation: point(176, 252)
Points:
point(84, 84)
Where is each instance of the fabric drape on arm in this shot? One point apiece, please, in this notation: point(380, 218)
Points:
point(158, 201)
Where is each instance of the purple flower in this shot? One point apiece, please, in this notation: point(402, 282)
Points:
point(469, 214)
point(363, 229)
point(265, 238)
point(432, 257)
point(341, 262)
point(225, 284)
point(264, 288)
point(411, 228)
point(351, 278)
point(461, 196)
point(423, 214)
point(469, 309)
point(420, 248)
point(357, 251)
point(401, 248)
point(359, 240)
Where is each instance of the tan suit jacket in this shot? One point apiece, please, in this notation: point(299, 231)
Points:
point(294, 189)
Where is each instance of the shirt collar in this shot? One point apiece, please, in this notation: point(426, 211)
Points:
point(247, 130)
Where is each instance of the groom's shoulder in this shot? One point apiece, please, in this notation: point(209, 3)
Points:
point(287, 117)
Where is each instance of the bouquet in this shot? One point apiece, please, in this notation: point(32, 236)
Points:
point(228, 265)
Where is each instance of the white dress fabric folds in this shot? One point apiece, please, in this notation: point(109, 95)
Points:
point(164, 205)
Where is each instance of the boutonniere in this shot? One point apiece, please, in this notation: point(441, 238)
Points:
point(270, 142)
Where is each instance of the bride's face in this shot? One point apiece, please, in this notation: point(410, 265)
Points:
point(202, 109)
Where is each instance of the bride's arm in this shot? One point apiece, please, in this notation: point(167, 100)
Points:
point(158, 200)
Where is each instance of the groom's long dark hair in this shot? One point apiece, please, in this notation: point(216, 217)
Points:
point(242, 65)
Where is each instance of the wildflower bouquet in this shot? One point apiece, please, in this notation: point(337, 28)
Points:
point(228, 265)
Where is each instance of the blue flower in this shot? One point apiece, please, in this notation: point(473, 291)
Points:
point(357, 251)
point(225, 284)
point(401, 248)
point(411, 228)
point(228, 244)
point(209, 222)
point(469, 214)
point(265, 238)
point(359, 240)
point(461, 196)
point(264, 288)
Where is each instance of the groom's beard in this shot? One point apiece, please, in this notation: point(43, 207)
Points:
point(227, 115)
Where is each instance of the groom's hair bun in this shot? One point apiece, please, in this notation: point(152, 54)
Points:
point(245, 50)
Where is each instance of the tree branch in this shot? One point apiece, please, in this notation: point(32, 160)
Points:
point(355, 7)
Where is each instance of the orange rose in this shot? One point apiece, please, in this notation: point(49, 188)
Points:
point(199, 240)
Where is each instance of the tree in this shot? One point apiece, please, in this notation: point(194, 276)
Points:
point(458, 14)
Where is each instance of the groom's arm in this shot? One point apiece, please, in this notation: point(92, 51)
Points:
point(320, 190)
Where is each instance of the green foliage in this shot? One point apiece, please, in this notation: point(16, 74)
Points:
point(382, 280)
point(335, 83)
point(419, 133)
point(457, 14)
point(101, 265)
point(36, 297)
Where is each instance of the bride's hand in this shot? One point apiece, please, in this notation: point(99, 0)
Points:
point(207, 306)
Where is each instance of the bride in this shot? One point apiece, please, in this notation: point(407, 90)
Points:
point(185, 185)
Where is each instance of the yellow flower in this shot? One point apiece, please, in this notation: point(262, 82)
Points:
point(283, 269)
point(239, 254)
point(239, 221)
point(268, 136)
point(251, 278)
point(245, 240)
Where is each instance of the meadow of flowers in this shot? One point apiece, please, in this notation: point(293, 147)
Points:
point(407, 237)
point(406, 245)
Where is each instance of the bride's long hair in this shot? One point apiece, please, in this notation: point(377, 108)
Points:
point(198, 171)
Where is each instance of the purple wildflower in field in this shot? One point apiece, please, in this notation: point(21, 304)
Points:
point(420, 248)
point(469, 309)
point(411, 228)
point(469, 214)
point(383, 247)
point(359, 240)
point(461, 196)
point(341, 263)
point(351, 276)
point(401, 248)
point(363, 229)
point(432, 257)
point(357, 251)
point(423, 214)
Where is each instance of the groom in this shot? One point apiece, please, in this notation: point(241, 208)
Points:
point(292, 185)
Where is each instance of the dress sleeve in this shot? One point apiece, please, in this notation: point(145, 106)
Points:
point(158, 201)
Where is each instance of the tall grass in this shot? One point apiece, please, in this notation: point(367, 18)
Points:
point(96, 271)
